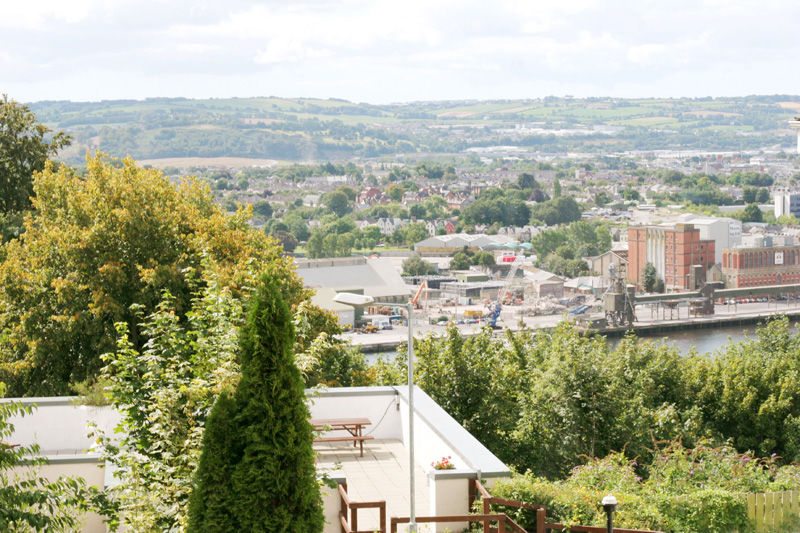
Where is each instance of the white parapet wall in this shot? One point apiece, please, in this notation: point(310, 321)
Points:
point(436, 435)
point(62, 429)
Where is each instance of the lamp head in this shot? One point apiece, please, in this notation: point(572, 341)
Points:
point(609, 503)
point(355, 300)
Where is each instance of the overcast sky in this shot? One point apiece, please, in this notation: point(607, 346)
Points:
point(397, 50)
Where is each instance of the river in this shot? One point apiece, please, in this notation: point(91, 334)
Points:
point(703, 340)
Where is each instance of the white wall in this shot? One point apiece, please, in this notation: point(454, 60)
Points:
point(57, 425)
point(379, 404)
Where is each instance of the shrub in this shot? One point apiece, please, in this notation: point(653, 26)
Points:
point(256, 471)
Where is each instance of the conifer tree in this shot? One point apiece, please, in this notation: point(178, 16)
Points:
point(256, 471)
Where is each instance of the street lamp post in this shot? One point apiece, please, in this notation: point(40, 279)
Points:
point(361, 300)
point(609, 504)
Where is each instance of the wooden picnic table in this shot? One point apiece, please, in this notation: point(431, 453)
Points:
point(354, 426)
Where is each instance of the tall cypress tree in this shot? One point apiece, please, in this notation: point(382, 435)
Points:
point(256, 471)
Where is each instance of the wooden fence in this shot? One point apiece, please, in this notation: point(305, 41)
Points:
point(771, 509)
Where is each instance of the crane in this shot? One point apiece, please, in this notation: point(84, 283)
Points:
point(415, 300)
point(505, 291)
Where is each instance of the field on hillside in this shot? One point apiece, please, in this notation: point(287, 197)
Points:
point(314, 129)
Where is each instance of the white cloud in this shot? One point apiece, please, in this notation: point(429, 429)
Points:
point(384, 50)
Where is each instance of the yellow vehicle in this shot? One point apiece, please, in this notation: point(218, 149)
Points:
point(371, 328)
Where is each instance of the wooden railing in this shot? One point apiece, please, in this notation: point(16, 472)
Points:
point(504, 523)
point(542, 526)
point(771, 509)
point(350, 524)
point(487, 500)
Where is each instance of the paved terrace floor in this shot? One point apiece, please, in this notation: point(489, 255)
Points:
point(382, 474)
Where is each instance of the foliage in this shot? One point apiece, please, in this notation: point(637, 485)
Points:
point(257, 449)
point(460, 261)
point(322, 357)
point(649, 277)
point(97, 244)
point(699, 490)
point(23, 152)
point(554, 397)
point(263, 209)
point(750, 391)
point(337, 236)
point(751, 213)
point(338, 202)
point(559, 210)
point(497, 206)
point(417, 266)
point(560, 250)
point(410, 234)
point(443, 464)
point(29, 502)
point(164, 393)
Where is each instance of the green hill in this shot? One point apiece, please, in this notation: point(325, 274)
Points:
point(315, 129)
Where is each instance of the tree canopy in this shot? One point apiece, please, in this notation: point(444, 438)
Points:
point(97, 244)
point(23, 152)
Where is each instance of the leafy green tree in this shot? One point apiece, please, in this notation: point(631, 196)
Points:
point(556, 211)
point(263, 209)
point(395, 192)
point(750, 392)
point(256, 471)
point(762, 196)
point(749, 194)
point(287, 240)
point(649, 277)
point(460, 261)
point(601, 198)
point(417, 266)
point(315, 247)
point(527, 181)
point(23, 152)
point(751, 213)
point(556, 189)
point(97, 244)
point(411, 234)
point(297, 226)
point(338, 202)
point(483, 258)
point(164, 404)
point(417, 211)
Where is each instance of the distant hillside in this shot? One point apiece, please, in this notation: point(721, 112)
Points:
point(313, 129)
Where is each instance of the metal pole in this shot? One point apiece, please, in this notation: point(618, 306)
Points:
point(412, 524)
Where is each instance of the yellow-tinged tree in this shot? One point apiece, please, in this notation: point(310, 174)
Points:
point(98, 243)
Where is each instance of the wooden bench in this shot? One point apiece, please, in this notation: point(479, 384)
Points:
point(357, 439)
point(354, 426)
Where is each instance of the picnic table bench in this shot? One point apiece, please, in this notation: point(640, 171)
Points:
point(354, 426)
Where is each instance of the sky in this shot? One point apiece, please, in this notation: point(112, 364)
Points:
point(385, 51)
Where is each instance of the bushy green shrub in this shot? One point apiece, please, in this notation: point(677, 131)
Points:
point(702, 490)
point(256, 471)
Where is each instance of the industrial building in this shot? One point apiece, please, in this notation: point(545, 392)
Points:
point(448, 244)
point(672, 251)
point(725, 232)
point(762, 261)
point(374, 277)
point(787, 203)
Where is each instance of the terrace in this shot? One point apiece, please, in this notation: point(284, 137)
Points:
point(61, 429)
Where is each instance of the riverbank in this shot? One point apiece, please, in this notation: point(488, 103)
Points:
point(726, 318)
